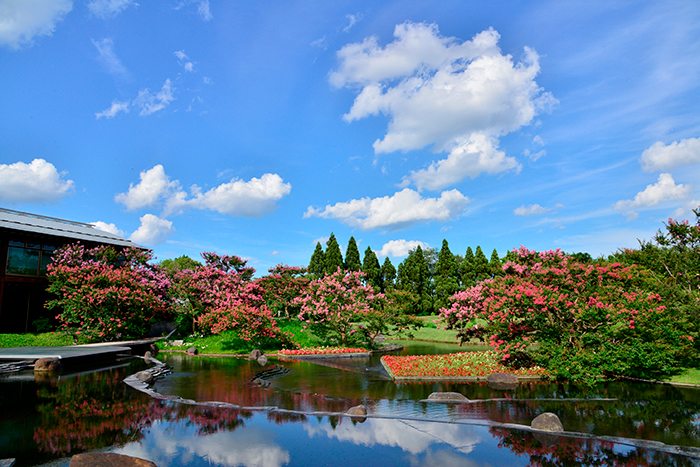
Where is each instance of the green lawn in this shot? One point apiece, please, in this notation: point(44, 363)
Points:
point(689, 376)
point(46, 339)
point(430, 331)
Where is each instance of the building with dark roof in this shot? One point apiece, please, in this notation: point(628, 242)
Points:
point(27, 242)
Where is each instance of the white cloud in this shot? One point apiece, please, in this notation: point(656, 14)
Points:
point(114, 109)
point(665, 157)
point(352, 20)
point(21, 21)
point(399, 211)
point(469, 158)
point(254, 198)
point(321, 240)
point(202, 8)
point(109, 58)
point(538, 140)
point(109, 8)
point(400, 248)
point(151, 103)
point(184, 60)
point(665, 189)
point(530, 210)
point(154, 186)
point(153, 230)
point(111, 228)
point(442, 92)
point(36, 182)
point(321, 43)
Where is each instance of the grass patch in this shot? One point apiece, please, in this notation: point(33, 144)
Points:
point(431, 331)
point(454, 365)
point(45, 339)
point(688, 376)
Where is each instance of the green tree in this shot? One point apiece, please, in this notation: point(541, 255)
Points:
point(388, 274)
point(316, 265)
point(495, 266)
point(172, 266)
point(352, 256)
point(481, 265)
point(466, 269)
point(414, 277)
point(332, 258)
point(372, 270)
point(446, 276)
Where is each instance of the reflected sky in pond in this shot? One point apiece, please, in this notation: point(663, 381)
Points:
point(45, 422)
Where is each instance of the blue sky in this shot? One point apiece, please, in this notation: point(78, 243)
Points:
point(258, 128)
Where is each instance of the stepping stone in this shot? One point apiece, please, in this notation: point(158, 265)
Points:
point(448, 397)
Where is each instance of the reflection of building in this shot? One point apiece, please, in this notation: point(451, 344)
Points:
point(26, 244)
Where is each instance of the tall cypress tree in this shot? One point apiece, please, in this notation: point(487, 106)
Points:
point(481, 265)
point(352, 256)
point(466, 269)
point(316, 265)
point(446, 276)
point(495, 264)
point(388, 274)
point(370, 266)
point(414, 277)
point(332, 258)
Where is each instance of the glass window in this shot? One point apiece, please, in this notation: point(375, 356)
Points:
point(23, 261)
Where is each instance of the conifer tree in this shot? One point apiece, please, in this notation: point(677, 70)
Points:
point(316, 264)
point(495, 264)
point(388, 274)
point(352, 256)
point(370, 266)
point(466, 269)
point(332, 258)
point(481, 265)
point(446, 276)
point(414, 277)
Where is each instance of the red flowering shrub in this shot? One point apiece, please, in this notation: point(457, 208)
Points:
point(583, 321)
point(104, 294)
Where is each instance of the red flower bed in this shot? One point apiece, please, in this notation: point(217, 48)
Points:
point(321, 350)
point(454, 365)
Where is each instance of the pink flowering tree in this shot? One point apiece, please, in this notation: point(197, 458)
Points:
point(583, 321)
point(105, 294)
point(281, 286)
point(221, 295)
point(336, 303)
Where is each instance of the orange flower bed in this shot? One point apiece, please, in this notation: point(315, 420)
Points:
point(321, 350)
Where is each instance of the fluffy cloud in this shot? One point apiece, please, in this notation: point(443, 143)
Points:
point(665, 189)
point(469, 158)
point(151, 103)
point(400, 248)
point(533, 210)
point(154, 186)
point(108, 57)
point(442, 92)
point(399, 211)
point(109, 8)
point(23, 20)
point(116, 107)
point(665, 157)
point(254, 198)
point(36, 182)
point(152, 231)
point(111, 228)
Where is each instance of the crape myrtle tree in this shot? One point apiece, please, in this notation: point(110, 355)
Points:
point(352, 256)
point(446, 276)
point(105, 294)
point(332, 258)
point(372, 270)
point(316, 267)
point(281, 286)
point(588, 321)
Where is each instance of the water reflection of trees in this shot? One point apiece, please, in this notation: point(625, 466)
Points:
point(577, 452)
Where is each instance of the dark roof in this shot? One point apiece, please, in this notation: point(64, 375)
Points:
point(69, 230)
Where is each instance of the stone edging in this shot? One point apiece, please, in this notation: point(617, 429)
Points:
point(160, 368)
point(449, 379)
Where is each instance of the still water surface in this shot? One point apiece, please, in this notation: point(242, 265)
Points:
point(46, 422)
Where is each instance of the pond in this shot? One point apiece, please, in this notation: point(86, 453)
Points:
point(290, 417)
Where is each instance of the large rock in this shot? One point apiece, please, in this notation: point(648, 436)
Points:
point(547, 422)
point(262, 360)
point(450, 397)
point(145, 376)
point(359, 413)
point(108, 459)
point(502, 381)
point(192, 351)
point(48, 364)
point(255, 354)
